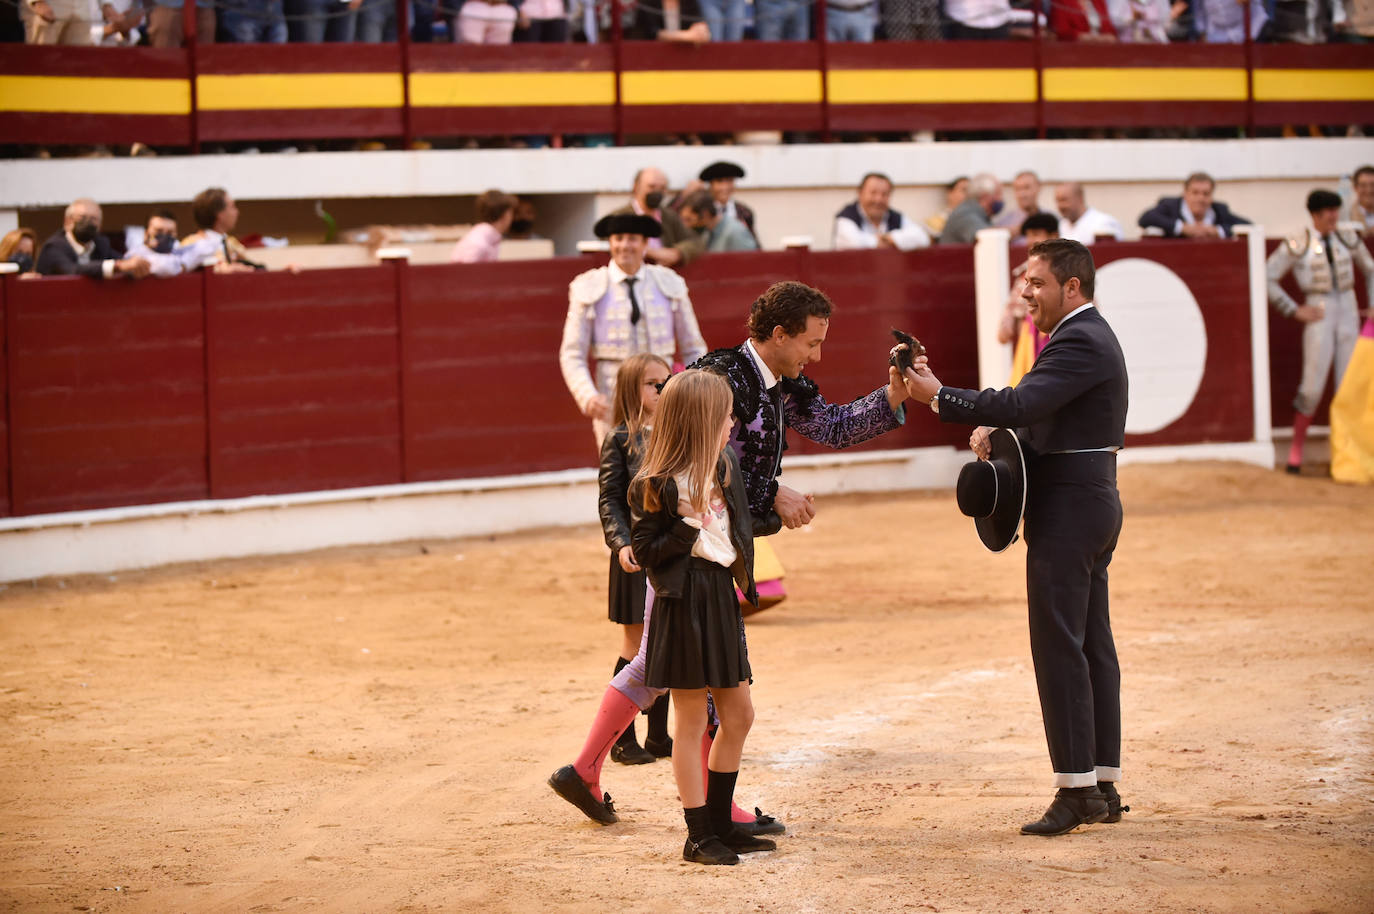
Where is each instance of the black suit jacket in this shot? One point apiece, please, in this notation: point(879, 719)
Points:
point(1167, 213)
point(1073, 398)
point(58, 259)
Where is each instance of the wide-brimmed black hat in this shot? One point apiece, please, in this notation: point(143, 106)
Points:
point(1319, 200)
point(718, 170)
point(993, 491)
point(627, 224)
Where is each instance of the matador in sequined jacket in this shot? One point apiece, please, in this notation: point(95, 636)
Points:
point(762, 418)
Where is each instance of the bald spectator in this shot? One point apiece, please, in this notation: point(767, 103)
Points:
point(1080, 222)
point(720, 231)
point(1193, 215)
point(80, 250)
point(1025, 193)
point(495, 211)
point(983, 202)
point(870, 222)
point(678, 245)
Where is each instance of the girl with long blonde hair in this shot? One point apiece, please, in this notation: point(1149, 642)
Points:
point(636, 396)
point(692, 531)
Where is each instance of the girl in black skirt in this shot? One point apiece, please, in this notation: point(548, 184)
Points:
point(692, 532)
point(636, 395)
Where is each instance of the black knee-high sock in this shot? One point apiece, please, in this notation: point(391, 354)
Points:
point(720, 795)
point(628, 737)
point(658, 719)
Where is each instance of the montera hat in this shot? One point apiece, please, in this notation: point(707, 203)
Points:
point(627, 224)
point(993, 491)
point(717, 170)
point(1319, 200)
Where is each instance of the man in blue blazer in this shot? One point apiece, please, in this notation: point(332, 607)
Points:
point(1193, 215)
point(1069, 411)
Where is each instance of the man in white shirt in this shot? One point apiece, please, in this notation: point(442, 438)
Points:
point(1080, 222)
point(869, 222)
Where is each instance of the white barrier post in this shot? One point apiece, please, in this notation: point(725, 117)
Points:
point(991, 276)
point(1259, 330)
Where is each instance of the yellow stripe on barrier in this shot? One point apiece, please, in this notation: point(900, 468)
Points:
point(485, 90)
point(879, 87)
point(720, 87)
point(252, 91)
point(95, 95)
point(1314, 85)
point(1144, 84)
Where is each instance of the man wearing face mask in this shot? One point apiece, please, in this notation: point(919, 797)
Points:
point(626, 307)
point(160, 248)
point(984, 201)
point(677, 245)
point(80, 250)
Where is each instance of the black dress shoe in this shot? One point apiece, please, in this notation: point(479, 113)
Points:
point(1067, 812)
point(710, 852)
point(762, 825)
point(631, 754)
point(741, 842)
point(568, 784)
point(659, 749)
point(1293, 469)
point(1114, 805)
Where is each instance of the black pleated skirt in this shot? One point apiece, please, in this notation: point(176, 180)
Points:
point(626, 595)
point(696, 641)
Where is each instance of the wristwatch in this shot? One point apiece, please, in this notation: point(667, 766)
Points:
point(935, 403)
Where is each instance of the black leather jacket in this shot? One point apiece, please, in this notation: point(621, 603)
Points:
point(618, 467)
point(663, 541)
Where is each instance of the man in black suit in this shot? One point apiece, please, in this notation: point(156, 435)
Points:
point(1193, 215)
point(1070, 414)
point(80, 250)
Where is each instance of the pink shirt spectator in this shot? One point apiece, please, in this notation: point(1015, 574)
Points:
point(480, 244)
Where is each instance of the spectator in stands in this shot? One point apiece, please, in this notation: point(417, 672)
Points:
point(254, 21)
point(1082, 20)
point(1193, 215)
point(1358, 25)
point(216, 216)
point(165, 256)
point(983, 202)
point(495, 212)
point(869, 222)
point(721, 177)
point(1025, 191)
point(165, 23)
point(1223, 21)
point(1361, 209)
point(522, 221)
point(20, 247)
point(720, 231)
point(485, 22)
point(1079, 221)
point(850, 20)
point(541, 21)
point(1302, 21)
point(66, 22)
point(955, 192)
point(677, 245)
point(315, 21)
point(626, 307)
point(78, 249)
point(783, 20)
point(978, 20)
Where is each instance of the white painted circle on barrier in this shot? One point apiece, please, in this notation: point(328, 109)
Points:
point(1154, 315)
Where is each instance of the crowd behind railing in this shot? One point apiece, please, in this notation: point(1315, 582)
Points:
point(160, 23)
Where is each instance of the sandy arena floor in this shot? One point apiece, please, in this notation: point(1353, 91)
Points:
point(369, 730)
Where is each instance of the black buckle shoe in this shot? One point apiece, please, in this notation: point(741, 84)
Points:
point(631, 754)
point(1114, 805)
point(710, 852)
point(659, 749)
point(741, 842)
point(762, 825)
point(1067, 812)
point(568, 784)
